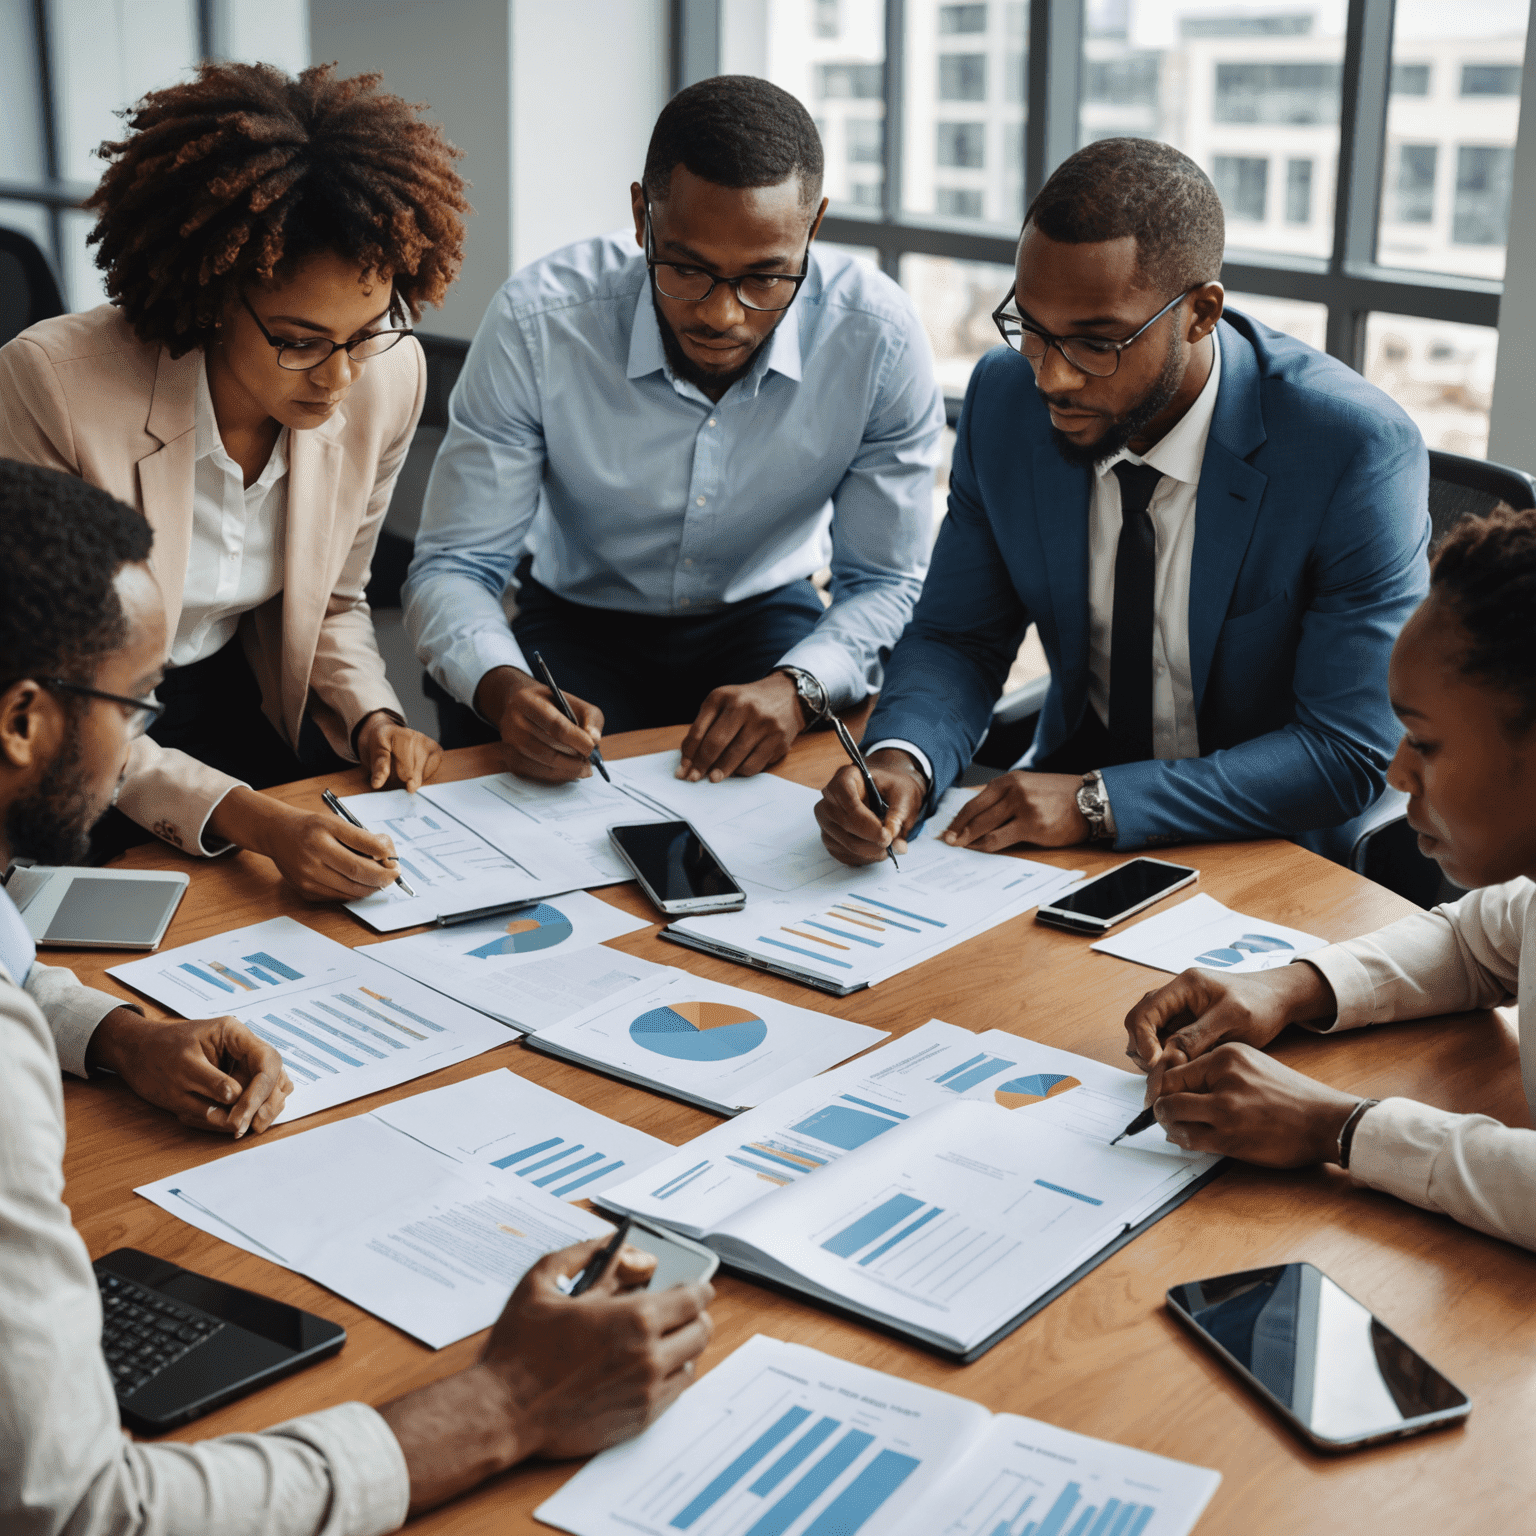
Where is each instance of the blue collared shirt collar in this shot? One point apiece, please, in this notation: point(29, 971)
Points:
point(648, 355)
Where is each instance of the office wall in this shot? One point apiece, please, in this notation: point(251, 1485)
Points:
point(552, 102)
point(1510, 436)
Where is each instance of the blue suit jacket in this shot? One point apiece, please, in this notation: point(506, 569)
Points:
point(1311, 524)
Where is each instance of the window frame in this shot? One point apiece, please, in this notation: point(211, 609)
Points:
point(1349, 282)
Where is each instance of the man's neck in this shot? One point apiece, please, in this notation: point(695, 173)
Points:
point(1201, 360)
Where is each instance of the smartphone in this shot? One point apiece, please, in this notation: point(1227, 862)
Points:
point(677, 869)
point(1097, 905)
point(679, 1260)
point(1336, 1374)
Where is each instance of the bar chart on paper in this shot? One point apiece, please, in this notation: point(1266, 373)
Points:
point(1021, 1503)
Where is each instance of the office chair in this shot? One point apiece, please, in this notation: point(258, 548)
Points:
point(397, 539)
point(29, 292)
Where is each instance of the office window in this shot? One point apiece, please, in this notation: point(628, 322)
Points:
point(866, 194)
point(1306, 322)
point(1468, 137)
point(1296, 24)
point(1123, 82)
point(958, 202)
point(1277, 93)
point(1298, 191)
point(1484, 181)
point(1416, 183)
point(956, 300)
point(850, 82)
point(1242, 183)
point(1490, 79)
point(962, 18)
point(1441, 374)
point(828, 18)
point(866, 141)
point(962, 77)
point(963, 144)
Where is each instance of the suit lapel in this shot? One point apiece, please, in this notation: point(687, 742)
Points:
point(1061, 496)
point(315, 460)
point(1227, 503)
point(165, 475)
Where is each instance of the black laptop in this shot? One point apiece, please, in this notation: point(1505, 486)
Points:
point(180, 1345)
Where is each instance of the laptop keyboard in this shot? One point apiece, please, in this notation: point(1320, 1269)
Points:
point(142, 1331)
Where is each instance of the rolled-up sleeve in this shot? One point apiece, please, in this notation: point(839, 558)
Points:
point(65, 1465)
point(480, 504)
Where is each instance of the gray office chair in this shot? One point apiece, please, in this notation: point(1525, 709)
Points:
point(29, 292)
point(397, 539)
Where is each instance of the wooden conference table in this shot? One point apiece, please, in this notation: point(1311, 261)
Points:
point(1104, 1359)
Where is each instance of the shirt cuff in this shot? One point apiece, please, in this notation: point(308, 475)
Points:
point(371, 1482)
point(1395, 1146)
point(214, 848)
point(831, 665)
point(1109, 812)
point(1352, 989)
point(911, 751)
point(462, 666)
point(74, 1012)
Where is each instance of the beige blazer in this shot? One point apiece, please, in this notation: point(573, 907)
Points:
point(82, 394)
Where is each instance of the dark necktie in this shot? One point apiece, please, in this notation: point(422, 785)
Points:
point(1130, 649)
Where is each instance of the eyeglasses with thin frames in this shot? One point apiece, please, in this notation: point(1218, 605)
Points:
point(1094, 355)
point(767, 291)
point(142, 713)
point(312, 351)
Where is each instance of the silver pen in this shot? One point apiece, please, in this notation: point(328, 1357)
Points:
point(333, 804)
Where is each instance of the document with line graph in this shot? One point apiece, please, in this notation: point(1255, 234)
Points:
point(345, 1025)
point(783, 1440)
point(944, 1185)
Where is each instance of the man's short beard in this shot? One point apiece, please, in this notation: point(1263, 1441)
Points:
point(53, 824)
point(1120, 431)
point(684, 367)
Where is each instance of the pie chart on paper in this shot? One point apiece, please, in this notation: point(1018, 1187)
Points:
point(537, 927)
point(1019, 1091)
point(699, 1031)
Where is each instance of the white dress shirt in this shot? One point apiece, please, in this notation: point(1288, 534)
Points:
point(65, 1465)
point(235, 560)
point(1476, 953)
point(1178, 455)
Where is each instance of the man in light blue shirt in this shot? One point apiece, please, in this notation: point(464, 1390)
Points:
point(682, 435)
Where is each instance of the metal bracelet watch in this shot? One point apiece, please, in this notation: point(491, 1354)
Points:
point(1347, 1130)
point(812, 692)
point(1093, 802)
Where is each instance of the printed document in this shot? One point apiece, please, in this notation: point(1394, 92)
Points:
point(1201, 932)
point(782, 1439)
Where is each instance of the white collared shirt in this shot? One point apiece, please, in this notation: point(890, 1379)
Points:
point(1178, 455)
point(235, 559)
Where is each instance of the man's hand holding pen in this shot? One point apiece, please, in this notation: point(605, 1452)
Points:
point(851, 831)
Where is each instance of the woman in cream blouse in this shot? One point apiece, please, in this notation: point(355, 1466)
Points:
point(252, 390)
point(1463, 683)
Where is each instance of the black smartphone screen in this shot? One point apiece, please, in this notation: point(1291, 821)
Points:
point(1318, 1352)
point(673, 861)
point(1122, 888)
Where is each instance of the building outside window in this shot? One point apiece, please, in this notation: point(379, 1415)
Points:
point(962, 144)
point(955, 19)
point(1298, 191)
point(1415, 190)
point(962, 77)
point(1484, 183)
point(1242, 182)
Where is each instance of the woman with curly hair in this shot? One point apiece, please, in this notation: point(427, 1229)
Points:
point(252, 390)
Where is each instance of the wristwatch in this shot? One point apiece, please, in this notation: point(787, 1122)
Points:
point(1093, 802)
point(812, 692)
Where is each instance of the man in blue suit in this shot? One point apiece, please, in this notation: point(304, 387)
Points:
point(1218, 531)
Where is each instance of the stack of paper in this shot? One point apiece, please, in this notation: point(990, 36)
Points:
point(426, 1212)
point(1201, 932)
point(344, 1025)
point(781, 1440)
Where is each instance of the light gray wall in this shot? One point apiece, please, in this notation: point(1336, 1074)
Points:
point(1512, 427)
point(551, 101)
point(456, 56)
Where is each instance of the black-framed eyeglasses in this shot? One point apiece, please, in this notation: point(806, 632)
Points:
point(142, 713)
point(754, 290)
point(1093, 355)
point(312, 351)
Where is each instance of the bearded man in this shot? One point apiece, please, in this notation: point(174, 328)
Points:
point(1218, 530)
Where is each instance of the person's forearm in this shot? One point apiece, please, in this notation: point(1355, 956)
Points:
point(455, 1434)
point(1306, 995)
point(249, 819)
point(495, 688)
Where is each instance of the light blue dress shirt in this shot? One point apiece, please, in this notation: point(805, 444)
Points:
point(17, 951)
point(569, 435)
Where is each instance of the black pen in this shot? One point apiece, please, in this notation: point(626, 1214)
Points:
point(595, 757)
point(1138, 1125)
point(333, 804)
point(502, 909)
point(597, 1266)
point(872, 795)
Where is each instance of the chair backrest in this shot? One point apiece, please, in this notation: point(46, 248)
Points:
point(1461, 487)
point(445, 359)
point(1389, 855)
point(29, 292)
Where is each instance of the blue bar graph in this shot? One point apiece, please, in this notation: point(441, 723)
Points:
point(1106, 1517)
point(1066, 1502)
point(1127, 1514)
point(778, 1519)
point(903, 1235)
point(1061, 1189)
point(797, 1453)
point(777, 1174)
point(373, 1013)
point(988, 1068)
point(517, 1157)
point(871, 1225)
point(568, 1170)
point(213, 981)
point(1084, 1520)
point(1142, 1521)
point(261, 975)
point(330, 1029)
point(586, 1178)
point(367, 1029)
point(1003, 1527)
point(288, 1053)
point(864, 1495)
point(917, 917)
point(673, 1185)
point(270, 963)
point(956, 1071)
point(895, 1114)
point(304, 1034)
point(710, 1494)
point(842, 933)
point(763, 938)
